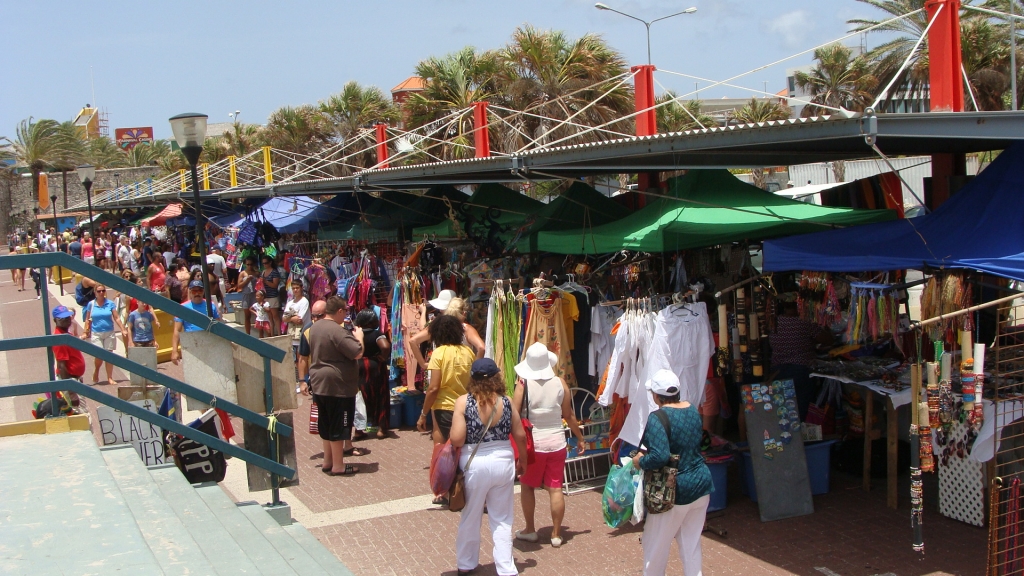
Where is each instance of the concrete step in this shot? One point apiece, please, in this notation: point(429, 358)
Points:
point(61, 511)
point(171, 544)
point(217, 544)
point(259, 549)
point(316, 550)
point(286, 546)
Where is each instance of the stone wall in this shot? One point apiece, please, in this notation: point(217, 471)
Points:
point(19, 204)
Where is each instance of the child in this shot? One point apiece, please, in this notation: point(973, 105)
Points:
point(70, 362)
point(140, 323)
point(262, 310)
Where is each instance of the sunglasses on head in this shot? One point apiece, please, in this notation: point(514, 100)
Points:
point(100, 290)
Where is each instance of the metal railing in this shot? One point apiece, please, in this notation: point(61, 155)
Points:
point(266, 351)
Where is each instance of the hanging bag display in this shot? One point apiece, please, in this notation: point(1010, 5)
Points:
point(457, 492)
point(660, 484)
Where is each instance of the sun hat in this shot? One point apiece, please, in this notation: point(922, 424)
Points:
point(663, 383)
point(195, 284)
point(62, 312)
point(442, 300)
point(538, 363)
point(483, 368)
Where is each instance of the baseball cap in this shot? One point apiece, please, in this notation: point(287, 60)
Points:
point(483, 368)
point(664, 383)
point(62, 312)
point(195, 284)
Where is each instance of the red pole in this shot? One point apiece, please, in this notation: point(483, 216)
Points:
point(382, 147)
point(946, 90)
point(646, 121)
point(944, 57)
point(481, 135)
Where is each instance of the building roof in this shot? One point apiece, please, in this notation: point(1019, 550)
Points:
point(410, 84)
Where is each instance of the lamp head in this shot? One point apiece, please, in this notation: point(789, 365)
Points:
point(86, 174)
point(690, 10)
point(601, 6)
point(190, 134)
point(53, 198)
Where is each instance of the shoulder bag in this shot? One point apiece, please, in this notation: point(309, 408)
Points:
point(531, 453)
point(660, 484)
point(457, 492)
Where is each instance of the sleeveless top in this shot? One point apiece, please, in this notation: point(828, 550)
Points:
point(499, 431)
point(545, 413)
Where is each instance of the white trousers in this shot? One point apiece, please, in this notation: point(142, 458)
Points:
point(489, 482)
point(684, 524)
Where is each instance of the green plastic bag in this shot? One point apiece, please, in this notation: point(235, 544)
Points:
point(619, 491)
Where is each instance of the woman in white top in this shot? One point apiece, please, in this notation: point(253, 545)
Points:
point(547, 402)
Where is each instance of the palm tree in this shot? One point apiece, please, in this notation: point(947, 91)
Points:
point(986, 60)
point(887, 57)
point(242, 139)
point(452, 83)
point(300, 129)
point(838, 80)
point(351, 113)
point(147, 154)
point(556, 77)
point(682, 116)
point(33, 144)
point(755, 112)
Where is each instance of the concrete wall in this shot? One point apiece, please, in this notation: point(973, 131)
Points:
point(18, 203)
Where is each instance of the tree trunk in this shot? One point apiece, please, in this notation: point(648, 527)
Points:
point(839, 170)
point(759, 176)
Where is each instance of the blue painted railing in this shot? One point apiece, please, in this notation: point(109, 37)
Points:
point(267, 351)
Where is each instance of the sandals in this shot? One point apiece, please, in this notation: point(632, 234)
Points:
point(349, 471)
point(527, 536)
point(355, 451)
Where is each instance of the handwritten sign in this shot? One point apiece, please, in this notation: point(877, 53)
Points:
point(116, 427)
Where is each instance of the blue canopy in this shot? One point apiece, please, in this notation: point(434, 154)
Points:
point(980, 228)
point(287, 214)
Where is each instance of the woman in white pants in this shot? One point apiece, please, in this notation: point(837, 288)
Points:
point(674, 431)
point(482, 423)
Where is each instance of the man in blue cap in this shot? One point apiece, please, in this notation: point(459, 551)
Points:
point(195, 302)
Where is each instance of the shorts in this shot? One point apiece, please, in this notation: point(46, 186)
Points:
point(90, 260)
point(547, 471)
point(145, 344)
point(263, 325)
point(336, 417)
point(274, 302)
point(105, 340)
point(444, 421)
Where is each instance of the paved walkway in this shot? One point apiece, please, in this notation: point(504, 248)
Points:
point(381, 521)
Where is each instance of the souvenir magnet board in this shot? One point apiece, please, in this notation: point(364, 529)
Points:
point(777, 450)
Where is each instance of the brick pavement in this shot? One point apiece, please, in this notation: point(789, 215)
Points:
point(850, 533)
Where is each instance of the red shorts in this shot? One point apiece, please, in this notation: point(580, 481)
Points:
point(712, 405)
point(263, 325)
point(548, 470)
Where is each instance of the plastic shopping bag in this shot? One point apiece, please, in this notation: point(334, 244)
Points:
point(443, 466)
point(360, 418)
point(619, 494)
point(639, 509)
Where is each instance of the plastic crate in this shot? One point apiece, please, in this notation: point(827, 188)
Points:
point(719, 477)
point(395, 416)
point(819, 469)
point(412, 407)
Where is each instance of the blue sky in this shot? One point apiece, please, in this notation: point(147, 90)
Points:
point(152, 59)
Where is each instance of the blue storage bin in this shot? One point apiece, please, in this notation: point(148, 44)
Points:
point(395, 416)
point(719, 477)
point(412, 407)
point(819, 469)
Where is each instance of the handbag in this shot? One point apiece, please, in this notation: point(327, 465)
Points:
point(531, 452)
point(314, 418)
point(457, 492)
point(660, 484)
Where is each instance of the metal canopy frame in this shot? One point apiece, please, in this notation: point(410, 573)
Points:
point(780, 143)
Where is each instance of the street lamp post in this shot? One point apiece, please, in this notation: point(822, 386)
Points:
point(190, 133)
point(87, 175)
point(56, 230)
point(602, 6)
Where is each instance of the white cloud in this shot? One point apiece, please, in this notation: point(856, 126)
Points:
point(790, 27)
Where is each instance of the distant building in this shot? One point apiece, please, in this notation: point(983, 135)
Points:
point(402, 92)
point(91, 123)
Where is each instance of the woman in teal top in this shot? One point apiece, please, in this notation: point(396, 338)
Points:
point(684, 522)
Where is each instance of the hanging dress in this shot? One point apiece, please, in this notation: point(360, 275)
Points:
point(546, 325)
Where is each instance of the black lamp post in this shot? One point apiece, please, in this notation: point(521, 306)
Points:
point(87, 174)
point(56, 230)
point(190, 133)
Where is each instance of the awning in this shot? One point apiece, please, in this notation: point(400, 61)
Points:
point(705, 208)
point(161, 217)
point(490, 203)
point(579, 206)
point(981, 228)
point(288, 215)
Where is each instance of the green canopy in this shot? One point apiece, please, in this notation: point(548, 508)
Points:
point(515, 208)
point(705, 208)
point(580, 206)
point(355, 231)
point(395, 210)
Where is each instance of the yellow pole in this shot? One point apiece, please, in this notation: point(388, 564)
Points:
point(206, 176)
point(269, 175)
point(184, 185)
point(234, 175)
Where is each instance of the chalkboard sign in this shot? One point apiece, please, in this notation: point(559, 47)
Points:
point(777, 450)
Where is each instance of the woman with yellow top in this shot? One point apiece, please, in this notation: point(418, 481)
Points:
point(449, 373)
